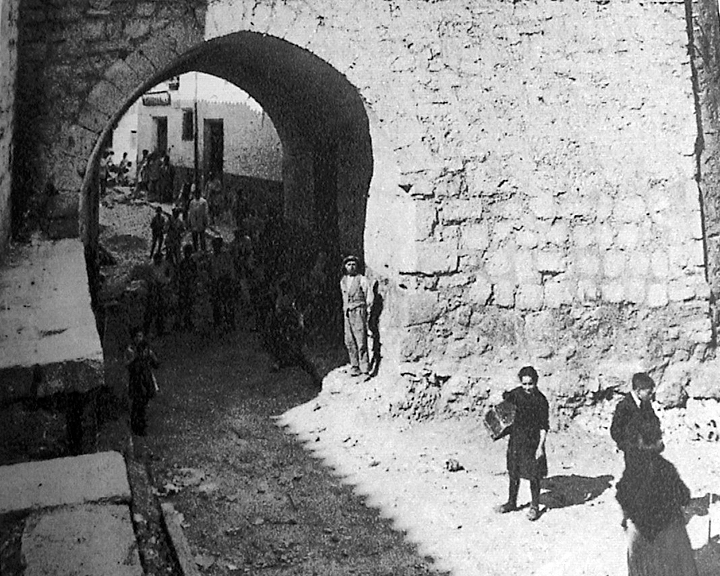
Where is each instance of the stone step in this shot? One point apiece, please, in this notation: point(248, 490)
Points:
point(48, 339)
point(90, 478)
point(90, 539)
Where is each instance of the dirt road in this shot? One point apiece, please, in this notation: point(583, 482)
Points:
point(253, 500)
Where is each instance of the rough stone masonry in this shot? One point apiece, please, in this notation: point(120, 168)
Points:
point(543, 173)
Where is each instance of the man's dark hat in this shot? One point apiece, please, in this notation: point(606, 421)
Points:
point(350, 258)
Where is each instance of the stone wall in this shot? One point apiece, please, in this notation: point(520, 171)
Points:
point(8, 69)
point(546, 191)
point(78, 63)
point(533, 195)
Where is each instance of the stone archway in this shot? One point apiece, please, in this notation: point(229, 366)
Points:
point(339, 176)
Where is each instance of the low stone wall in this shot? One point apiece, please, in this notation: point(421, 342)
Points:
point(8, 69)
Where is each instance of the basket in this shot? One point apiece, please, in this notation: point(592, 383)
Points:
point(498, 419)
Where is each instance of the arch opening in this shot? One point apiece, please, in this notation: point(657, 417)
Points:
point(320, 120)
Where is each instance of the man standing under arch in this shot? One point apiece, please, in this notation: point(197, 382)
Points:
point(357, 298)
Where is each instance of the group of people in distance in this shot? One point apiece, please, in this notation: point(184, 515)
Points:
point(650, 492)
point(155, 176)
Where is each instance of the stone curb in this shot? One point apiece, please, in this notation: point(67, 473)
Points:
point(178, 541)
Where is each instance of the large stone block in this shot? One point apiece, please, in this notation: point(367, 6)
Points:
point(638, 263)
point(420, 307)
point(551, 261)
point(432, 258)
point(461, 210)
point(587, 264)
point(698, 331)
point(98, 477)
point(425, 219)
point(504, 294)
point(613, 292)
point(614, 263)
point(525, 271)
point(670, 391)
point(105, 97)
point(558, 293)
point(479, 291)
point(660, 264)
point(529, 297)
point(628, 236)
point(635, 290)
point(123, 77)
point(89, 539)
point(93, 120)
point(657, 295)
point(500, 263)
point(544, 206)
point(559, 234)
point(681, 290)
point(588, 291)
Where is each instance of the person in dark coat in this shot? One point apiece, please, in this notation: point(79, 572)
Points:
point(187, 279)
point(652, 495)
point(222, 281)
point(156, 306)
point(632, 412)
point(140, 361)
point(157, 229)
point(526, 447)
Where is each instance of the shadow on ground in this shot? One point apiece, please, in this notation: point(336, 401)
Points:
point(707, 558)
point(573, 490)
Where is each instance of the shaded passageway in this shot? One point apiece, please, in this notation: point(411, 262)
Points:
point(321, 122)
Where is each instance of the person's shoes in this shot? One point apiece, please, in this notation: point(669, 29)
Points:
point(533, 513)
point(507, 507)
point(365, 376)
point(355, 372)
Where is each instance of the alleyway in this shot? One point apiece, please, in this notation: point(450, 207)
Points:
point(251, 497)
point(256, 499)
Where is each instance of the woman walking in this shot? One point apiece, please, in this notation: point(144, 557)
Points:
point(652, 495)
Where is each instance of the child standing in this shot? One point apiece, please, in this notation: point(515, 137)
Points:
point(526, 448)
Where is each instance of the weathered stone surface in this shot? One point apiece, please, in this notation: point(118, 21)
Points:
point(529, 297)
point(555, 152)
point(704, 382)
point(420, 308)
point(432, 258)
point(504, 294)
point(461, 210)
point(657, 295)
point(100, 477)
point(559, 293)
point(670, 391)
point(8, 72)
point(475, 237)
point(62, 215)
point(47, 327)
point(90, 539)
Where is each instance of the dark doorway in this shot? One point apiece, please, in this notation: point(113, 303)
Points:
point(161, 133)
point(213, 146)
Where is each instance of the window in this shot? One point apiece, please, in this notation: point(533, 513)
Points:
point(188, 126)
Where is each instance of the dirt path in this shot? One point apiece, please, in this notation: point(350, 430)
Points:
point(252, 499)
point(255, 501)
point(401, 468)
